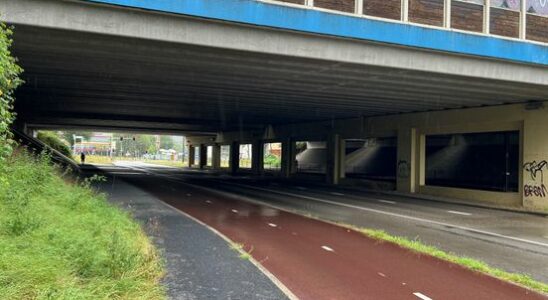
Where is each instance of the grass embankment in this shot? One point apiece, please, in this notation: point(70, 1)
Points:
point(467, 262)
point(64, 241)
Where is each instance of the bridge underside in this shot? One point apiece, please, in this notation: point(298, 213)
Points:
point(89, 80)
point(424, 119)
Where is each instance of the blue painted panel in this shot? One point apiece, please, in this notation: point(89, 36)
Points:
point(320, 22)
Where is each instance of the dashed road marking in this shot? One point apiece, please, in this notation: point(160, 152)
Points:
point(422, 296)
point(337, 194)
point(272, 225)
point(188, 195)
point(378, 211)
point(387, 201)
point(302, 188)
point(208, 201)
point(328, 249)
point(381, 274)
point(235, 211)
point(459, 213)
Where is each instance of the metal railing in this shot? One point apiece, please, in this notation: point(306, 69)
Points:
point(521, 9)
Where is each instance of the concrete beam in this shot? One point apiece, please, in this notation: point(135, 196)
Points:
point(109, 20)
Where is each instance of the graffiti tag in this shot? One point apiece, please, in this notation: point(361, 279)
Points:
point(535, 168)
point(536, 172)
point(535, 191)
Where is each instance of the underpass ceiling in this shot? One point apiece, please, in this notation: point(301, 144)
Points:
point(91, 80)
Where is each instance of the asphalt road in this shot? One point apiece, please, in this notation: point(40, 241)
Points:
point(512, 241)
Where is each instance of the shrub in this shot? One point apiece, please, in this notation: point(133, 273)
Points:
point(52, 140)
point(9, 80)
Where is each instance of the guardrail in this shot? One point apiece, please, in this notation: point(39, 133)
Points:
point(517, 19)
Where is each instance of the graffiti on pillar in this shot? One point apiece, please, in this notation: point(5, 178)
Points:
point(535, 187)
point(403, 169)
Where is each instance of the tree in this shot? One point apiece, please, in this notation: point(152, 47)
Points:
point(166, 142)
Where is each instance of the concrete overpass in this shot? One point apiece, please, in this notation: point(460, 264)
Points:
point(244, 72)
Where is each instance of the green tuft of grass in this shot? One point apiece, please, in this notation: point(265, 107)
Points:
point(64, 241)
point(242, 254)
point(467, 262)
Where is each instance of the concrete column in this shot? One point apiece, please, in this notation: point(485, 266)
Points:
point(288, 158)
point(203, 156)
point(534, 167)
point(216, 157)
point(191, 150)
point(406, 171)
point(234, 157)
point(335, 159)
point(257, 157)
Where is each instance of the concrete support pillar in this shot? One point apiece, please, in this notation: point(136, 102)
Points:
point(234, 157)
point(407, 160)
point(335, 159)
point(257, 157)
point(534, 167)
point(342, 159)
point(191, 151)
point(216, 157)
point(203, 156)
point(288, 158)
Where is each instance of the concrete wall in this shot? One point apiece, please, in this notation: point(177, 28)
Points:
point(411, 130)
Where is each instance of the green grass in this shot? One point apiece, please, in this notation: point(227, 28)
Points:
point(169, 163)
point(467, 262)
point(64, 241)
point(94, 159)
point(242, 254)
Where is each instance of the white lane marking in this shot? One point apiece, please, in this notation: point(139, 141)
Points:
point(493, 234)
point(387, 201)
point(207, 201)
point(459, 213)
point(188, 195)
point(235, 211)
point(422, 296)
point(327, 249)
point(302, 188)
point(352, 206)
point(259, 266)
point(272, 225)
point(381, 274)
point(336, 194)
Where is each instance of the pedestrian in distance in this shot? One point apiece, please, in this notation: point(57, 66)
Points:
point(83, 158)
